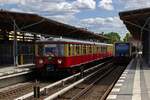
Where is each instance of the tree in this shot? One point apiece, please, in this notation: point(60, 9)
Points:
point(113, 37)
point(127, 37)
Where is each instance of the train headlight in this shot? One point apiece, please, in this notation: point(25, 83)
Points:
point(41, 61)
point(49, 58)
point(59, 61)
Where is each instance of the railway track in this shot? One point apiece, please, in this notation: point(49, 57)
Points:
point(25, 91)
point(57, 86)
point(14, 91)
point(18, 77)
point(65, 84)
point(96, 88)
point(81, 89)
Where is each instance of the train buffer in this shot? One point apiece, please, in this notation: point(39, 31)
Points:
point(133, 84)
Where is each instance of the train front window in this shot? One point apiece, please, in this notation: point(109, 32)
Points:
point(50, 49)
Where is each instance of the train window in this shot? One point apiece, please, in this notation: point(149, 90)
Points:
point(90, 49)
point(60, 49)
point(108, 48)
point(102, 49)
point(51, 49)
point(97, 51)
point(94, 49)
point(84, 49)
point(77, 49)
point(74, 50)
point(105, 48)
point(69, 50)
point(80, 52)
point(66, 51)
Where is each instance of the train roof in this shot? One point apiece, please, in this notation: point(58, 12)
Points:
point(70, 41)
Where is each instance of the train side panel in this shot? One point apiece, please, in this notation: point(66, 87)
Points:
point(58, 56)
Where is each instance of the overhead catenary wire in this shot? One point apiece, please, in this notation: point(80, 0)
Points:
point(38, 22)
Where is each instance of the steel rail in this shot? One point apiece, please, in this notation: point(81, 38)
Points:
point(90, 86)
point(59, 82)
point(14, 75)
point(110, 88)
point(64, 90)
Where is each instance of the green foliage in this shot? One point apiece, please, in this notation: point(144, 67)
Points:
point(127, 37)
point(113, 37)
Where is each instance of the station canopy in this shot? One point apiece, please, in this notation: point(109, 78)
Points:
point(136, 21)
point(33, 23)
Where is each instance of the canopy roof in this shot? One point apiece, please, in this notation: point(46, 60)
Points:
point(136, 21)
point(38, 24)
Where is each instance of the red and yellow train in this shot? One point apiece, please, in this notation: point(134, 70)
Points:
point(58, 54)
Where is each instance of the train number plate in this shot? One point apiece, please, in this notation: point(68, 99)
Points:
point(50, 68)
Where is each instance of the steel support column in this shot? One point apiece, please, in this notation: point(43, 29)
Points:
point(146, 47)
point(15, 46)
point(34, 43)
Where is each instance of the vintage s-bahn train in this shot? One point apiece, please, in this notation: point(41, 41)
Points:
point(57, 54)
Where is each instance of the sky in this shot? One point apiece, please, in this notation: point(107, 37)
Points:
point(95, 15)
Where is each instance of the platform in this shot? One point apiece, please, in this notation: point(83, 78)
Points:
point(134, 83)
point(13, 70)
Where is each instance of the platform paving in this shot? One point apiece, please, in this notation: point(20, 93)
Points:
point(134, 83)
point(13, 69)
